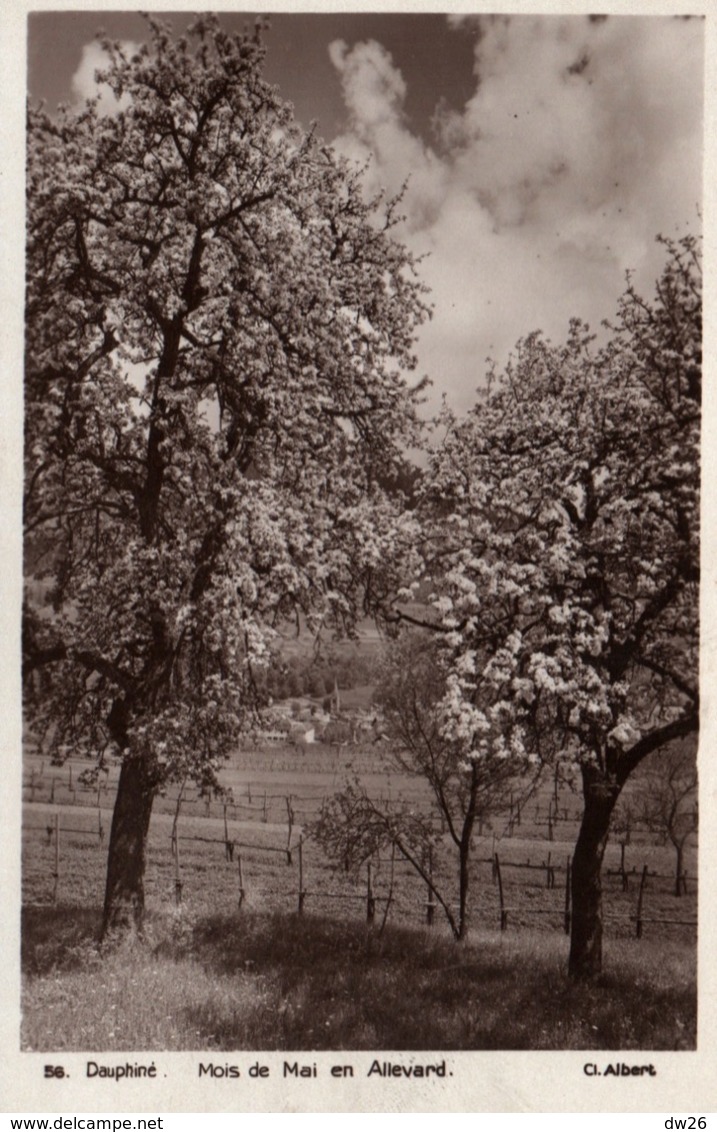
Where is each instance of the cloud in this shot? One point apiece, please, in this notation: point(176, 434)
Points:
point(84, 85)
point(581, 142)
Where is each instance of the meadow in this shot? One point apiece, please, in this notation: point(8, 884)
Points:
point(279, 981)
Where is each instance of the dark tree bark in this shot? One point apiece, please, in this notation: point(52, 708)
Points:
point(124, 892)
point(680, 868)
point(600, 796)
point(464, 851)
point(464, 881)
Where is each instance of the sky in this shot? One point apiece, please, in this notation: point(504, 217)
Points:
point(544, 154)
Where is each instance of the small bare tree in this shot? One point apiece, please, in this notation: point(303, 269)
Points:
point(667, 802)
point(463, 790)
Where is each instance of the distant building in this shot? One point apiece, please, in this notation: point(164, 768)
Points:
point(300, 733)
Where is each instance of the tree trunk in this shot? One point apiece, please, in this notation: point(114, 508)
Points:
point(124, 892)
point(464, 852)
point(679, 879)
point(586, 935)
point(463, 881)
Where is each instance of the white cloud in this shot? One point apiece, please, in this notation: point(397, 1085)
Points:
point(84, 84)
point(581, 142)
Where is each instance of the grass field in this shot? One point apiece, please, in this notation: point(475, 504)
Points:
point(278, 981)
point(212, 975)
point(257, 824)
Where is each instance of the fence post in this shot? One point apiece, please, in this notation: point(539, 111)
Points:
point(228, 845)
point(175, 854)
point(549, 873)
point(265, 815)
point(52, 791)
point(503, 911)
point(370, 899)
point(241, 882)
point(100, 830)
point(389, 898)
point(301, 876)
point(567, 896)
point(430, 905)
point(177, 874)
point(56, 874)
point(290, 817)
point(623, 871)
point(638, 918)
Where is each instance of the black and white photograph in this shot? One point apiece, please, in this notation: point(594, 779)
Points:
point(355, 643)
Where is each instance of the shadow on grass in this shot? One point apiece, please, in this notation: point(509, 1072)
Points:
point(285, 982)
point(57, 938)
point(342, 985)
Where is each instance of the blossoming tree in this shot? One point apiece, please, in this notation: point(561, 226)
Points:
point(434, 834)
point(565, 564)
point(218, 325)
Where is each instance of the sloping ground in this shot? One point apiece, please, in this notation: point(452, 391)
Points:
point(253, 981)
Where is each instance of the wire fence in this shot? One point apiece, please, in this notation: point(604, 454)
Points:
point(508, 899)
point(554, 818)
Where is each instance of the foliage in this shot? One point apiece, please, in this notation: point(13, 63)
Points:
point(354, 825)
point(282, 982)
point(565, 574)
point(218, 328)
point(561, 542)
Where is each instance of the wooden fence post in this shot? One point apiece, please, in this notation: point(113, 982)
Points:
point(100, 829)
point(228, 845)
point(638, 918)
point(175, 854)
point(301, 876)
point(290, 817)
point(549, 873)
point(56, 874)
point(389, 898)
point(241, 882)
point(430, 905)
point(370, 899)
point(177, 874)
point(503, 910)
point(567, 896)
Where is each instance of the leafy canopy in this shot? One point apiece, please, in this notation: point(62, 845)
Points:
point(218, 328)
point(564, 558)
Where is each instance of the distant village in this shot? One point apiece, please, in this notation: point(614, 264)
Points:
point(303, 720)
